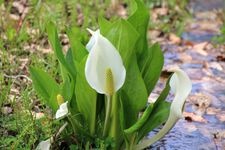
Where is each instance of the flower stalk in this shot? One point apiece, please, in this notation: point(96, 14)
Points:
point(107, 115)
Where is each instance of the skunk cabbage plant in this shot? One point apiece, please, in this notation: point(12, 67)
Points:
point(106, 82)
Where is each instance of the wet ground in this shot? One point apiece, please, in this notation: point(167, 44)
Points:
point(203, 127)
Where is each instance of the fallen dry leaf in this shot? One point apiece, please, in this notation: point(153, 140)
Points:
point(200, 102)
point(220, 58)
point(220, 135)
point(38, 115)
point(200, 48)
point(185, 57)
point(174, 38)
point(193, 117)
point(214, 65)
point(153, 34)
point(212, 110)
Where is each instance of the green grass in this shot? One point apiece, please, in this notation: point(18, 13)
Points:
point(174, 20)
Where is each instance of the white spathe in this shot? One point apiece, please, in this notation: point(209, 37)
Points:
point(44, 145)
point(181, 87)
point(62, 111)
point(103, 56)
point(92, 40)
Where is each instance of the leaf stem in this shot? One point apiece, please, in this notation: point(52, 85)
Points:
point(115, 130)
point(108, 114)
point(72, 123)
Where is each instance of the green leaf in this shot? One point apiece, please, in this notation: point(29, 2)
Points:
point(139, 20)
point(68, 85)
point(55, 43)
point(141, 121)
point(70, 59)
point(159, 114)
point(158, 117)
point(67, 88)
point(86, 98)
point(134, 94)
point(124, 37)
point(152, 67)
point(78, 49)
point(45, 86)
point(104, 24)
point(164, 93)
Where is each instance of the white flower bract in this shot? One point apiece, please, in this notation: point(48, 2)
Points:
point(62, 111)
point(44, 145)
point(181, 87)
point(103, 56)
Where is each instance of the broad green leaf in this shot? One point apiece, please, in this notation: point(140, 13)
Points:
point(152, 67)
point(158, 115)
point(124, 37)
point(141, 121)
point(78, 49)
point(104, 24)
point(163, 95)
point(139, 20)
point(70, 59)
point(134, 94)
point(63, 72)
point(68, 85)
point(55, 43)
point(67, 88)
point(45, 86)
point(86, 98)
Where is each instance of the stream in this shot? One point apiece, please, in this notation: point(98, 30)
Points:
point(203, 127)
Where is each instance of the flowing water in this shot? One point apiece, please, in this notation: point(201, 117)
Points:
point(204, 126)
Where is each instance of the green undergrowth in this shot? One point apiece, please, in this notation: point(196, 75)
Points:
point(174, 20)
